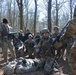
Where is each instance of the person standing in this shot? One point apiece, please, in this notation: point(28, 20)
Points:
point(55, 34)
point(67, 39)
point(27, 34)
point(6, 42)
point(21, 35)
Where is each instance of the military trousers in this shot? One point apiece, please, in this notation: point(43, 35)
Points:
point(6, 44)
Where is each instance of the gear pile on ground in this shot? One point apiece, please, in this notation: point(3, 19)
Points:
point(23, 66)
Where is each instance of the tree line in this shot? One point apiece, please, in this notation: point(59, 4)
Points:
point(23, 14)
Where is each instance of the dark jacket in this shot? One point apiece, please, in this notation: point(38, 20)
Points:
point(17, 43)
point(26, 36)
point(21, 37)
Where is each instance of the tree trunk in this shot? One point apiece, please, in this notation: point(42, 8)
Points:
point(56, 13)
point(35, 16)
point(14, 22)
point(70, 9)
point(21, 15)
point(49, 16)
point(20, 5)
point(27, 13)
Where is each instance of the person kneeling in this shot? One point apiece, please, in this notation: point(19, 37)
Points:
point(19, 47)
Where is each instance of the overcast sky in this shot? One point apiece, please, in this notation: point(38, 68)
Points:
point(42, 7)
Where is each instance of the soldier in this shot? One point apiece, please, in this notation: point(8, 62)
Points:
point(19, 46)
point(6, 42)
point(45, 43)
point(56, 32)
point(29, 44)
point(67, 38)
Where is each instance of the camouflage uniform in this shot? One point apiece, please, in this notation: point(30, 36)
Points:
point(19, 52)
point(45, 47)
point(67, 38)
point(45, 44)
point(56, 50)
point(6, 43)
point(30, 47)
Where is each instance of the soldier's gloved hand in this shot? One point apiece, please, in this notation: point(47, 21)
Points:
point(57, 45)
point(47, 52)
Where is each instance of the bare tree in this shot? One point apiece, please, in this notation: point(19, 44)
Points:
point(56, 13)
point(35, 16)
point(20, 6)
point(58, 7)
point(70, 9)
point(49, 15)
point(9, 11)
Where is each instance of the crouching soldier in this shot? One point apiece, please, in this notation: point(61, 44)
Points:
point(19, 46)
point(45, 43)
point(29, 44)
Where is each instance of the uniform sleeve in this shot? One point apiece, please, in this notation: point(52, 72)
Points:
point(25, 43)
point(0, 28)
point(71, 29)
point(14, 43)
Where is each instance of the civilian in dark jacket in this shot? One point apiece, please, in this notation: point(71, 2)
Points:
point(26, 35)
point(21, 35)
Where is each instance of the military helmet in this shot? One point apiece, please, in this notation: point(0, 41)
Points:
point(75, 12)
point(30, 35)
point(44, 30)
point(56, 27)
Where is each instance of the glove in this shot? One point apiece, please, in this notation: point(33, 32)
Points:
point(57, 45)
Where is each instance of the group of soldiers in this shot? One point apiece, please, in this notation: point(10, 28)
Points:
point(39, 45)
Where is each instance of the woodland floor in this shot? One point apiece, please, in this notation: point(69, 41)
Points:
point(63, 65)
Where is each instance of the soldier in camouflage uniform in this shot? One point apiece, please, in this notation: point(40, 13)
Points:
point(67, 38)
point(45, 43)
point(29, 44)
point(56, 32)
point(6, 42)
point(19, 46)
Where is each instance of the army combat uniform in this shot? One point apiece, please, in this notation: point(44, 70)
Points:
point(17, 44)
point(6, 42)
point(29, 44)
point(45, 44)
point(56, 32)
point(67, 38)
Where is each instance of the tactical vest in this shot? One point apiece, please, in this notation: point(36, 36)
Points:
point(4, 31)
point(45, 44)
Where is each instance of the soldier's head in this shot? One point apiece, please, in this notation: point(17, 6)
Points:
point(5, 21)
point(21, 31)
point(38, 33)
point(56, 29)
point(45, 33)
point(74, 12)
point(30, 36)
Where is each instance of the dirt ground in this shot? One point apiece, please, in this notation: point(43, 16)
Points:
point(64, 68)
